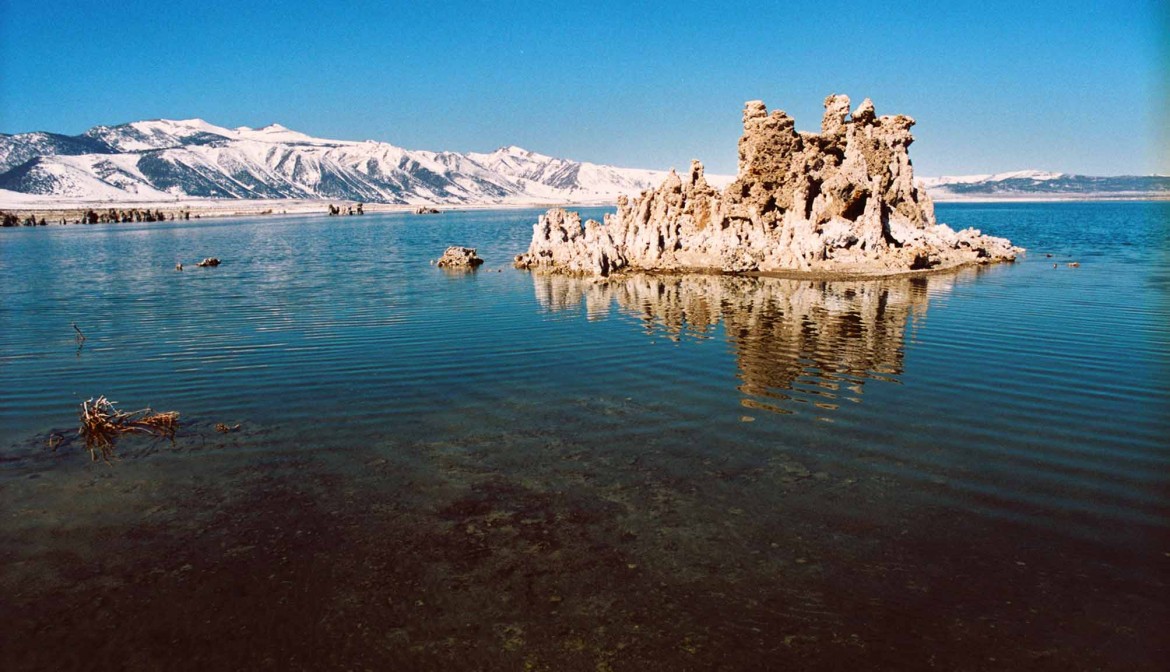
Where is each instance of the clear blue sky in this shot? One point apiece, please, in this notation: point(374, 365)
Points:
point(1069, 86)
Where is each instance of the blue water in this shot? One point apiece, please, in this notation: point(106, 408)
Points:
point(946, 427)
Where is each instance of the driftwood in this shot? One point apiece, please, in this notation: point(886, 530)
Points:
point(102, 424)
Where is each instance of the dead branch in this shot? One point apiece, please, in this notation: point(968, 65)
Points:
point(102, 424)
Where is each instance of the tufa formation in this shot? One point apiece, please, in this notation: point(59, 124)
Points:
point(460, 258)
point(842, 201)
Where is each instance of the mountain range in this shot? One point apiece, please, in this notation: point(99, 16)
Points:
point(166, 160)
point(1040, 184)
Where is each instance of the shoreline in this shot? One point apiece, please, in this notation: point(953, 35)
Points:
point(1050, 198)
point(55, 210)
point(72, 212)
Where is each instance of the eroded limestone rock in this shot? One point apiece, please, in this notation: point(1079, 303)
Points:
point(840, 201)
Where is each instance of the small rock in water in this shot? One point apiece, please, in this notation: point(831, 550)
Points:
point(459, 257)
point(208, 262)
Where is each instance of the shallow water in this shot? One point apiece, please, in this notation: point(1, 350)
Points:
point(501, 470)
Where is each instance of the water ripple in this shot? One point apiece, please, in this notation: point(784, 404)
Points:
point(1022, 392)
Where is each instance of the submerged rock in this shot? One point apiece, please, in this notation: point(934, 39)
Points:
point(459, 257)
point(840, 201)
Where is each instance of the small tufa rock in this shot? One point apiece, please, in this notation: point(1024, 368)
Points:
point(459, 257)
point(209, 262)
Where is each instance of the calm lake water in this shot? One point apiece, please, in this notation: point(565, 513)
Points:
point(500, 470)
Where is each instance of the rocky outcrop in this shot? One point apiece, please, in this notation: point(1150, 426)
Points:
point(356, 209)
point(459, 257)
point(840, 201)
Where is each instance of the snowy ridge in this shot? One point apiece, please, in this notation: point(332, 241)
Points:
point(1038, 175)
point(176, 160)
point(1042, 184)
point(169, 160)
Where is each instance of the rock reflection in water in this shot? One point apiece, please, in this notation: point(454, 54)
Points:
point(795, 341)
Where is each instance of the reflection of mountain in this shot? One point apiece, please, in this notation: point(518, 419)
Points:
point(796, 341)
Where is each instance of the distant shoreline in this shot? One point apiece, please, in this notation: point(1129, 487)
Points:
point(1047, 198)
point(53, 211)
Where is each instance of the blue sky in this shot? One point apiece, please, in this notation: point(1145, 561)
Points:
point(1068, 86)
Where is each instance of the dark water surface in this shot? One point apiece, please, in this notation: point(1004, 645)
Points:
point(502, 470)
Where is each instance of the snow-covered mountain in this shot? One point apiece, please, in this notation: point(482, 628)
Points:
point(165, 160)
point(1040, 184)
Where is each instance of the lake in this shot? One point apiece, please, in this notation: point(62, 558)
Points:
point(501, 470)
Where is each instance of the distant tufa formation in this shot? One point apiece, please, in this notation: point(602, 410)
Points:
point(94, 217)
point(358, 209)
point(841, 201)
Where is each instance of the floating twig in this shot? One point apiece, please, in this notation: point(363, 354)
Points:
point(102, 424)
point(80, 339)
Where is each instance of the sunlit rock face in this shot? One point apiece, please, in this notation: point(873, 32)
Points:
point(840, 201)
